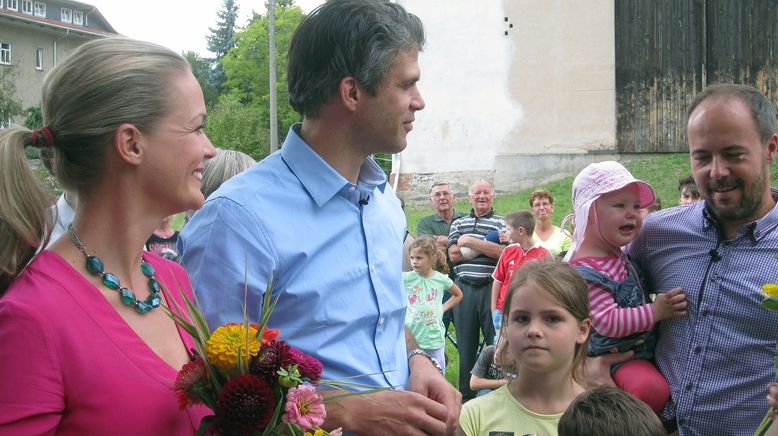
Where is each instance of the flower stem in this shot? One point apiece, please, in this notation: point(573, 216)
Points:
point(766, 422)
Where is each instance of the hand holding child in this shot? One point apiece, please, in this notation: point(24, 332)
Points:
point(670, 304)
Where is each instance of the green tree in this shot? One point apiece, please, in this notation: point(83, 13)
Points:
point(236, 126)
point(246, 67)
point(33, 117)
point(221, 40)
point(9, 106)
point(201, 69)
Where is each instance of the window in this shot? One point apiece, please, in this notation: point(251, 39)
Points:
point(66, 15)
point(78, 17)
point(13, 5)
point(27, 6)
point(1, 3)
point(5, 53)
point(39, 59)
point(40, 9)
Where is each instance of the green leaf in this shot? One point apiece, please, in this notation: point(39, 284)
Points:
point(770, 303)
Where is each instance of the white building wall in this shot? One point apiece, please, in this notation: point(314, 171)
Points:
point(519, 109)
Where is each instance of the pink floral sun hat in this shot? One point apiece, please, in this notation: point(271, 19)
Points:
point(594, 181)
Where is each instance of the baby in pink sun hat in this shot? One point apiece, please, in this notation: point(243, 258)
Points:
point(607, 201)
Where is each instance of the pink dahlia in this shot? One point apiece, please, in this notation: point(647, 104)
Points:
point(246, 404)
point(304, 407)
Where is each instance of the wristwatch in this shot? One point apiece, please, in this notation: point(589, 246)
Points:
point(434, 361)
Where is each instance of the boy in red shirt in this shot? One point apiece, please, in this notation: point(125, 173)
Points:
point(520, 225)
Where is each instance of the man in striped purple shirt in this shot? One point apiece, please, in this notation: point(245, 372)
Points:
point(718, 360)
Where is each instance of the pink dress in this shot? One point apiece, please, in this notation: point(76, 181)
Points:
point(70, 365)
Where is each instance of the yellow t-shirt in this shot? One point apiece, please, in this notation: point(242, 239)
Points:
point(556, 243)
point(499, 414)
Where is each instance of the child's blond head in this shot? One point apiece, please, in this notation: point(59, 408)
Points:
point(560, 282)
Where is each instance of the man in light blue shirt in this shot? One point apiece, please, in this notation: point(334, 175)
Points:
point(320, 220)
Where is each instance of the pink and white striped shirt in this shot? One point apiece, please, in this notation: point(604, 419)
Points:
point(608, 319)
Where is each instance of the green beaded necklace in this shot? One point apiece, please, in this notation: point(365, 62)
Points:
point(95, 267)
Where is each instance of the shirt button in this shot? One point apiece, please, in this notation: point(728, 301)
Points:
point(380, 321)
point(372, 268)
point(705, 312)
point(697, 350)
point(689, 387)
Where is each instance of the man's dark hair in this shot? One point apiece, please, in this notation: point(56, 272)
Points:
point(608, 411)
point(762, 111)
point(689, 183)
point(342, 38)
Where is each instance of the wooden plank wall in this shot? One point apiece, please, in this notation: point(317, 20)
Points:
point(668, 50)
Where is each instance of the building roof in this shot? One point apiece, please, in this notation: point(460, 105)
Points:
point(90, 12)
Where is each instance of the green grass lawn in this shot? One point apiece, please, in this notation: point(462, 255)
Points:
point(662, 172)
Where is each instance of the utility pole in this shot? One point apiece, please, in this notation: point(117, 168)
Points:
point(271, 29)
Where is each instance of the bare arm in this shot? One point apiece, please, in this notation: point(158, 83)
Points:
point(488, 248)
point(496, 284)
point(454, 254)
point(478, 383)
point(427, 381)
point(388, 412)
point(456, 297)
point(391, 412)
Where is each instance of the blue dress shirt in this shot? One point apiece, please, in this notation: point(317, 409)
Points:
point(718, 359)
point(336, 263)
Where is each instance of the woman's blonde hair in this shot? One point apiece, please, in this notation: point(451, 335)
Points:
point(101, 85)
point(560, 282)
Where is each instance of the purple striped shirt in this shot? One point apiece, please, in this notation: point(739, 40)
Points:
point(718, 360)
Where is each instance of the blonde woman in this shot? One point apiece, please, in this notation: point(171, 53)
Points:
point(85, 347)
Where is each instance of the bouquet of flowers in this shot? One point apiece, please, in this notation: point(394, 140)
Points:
point(254, 383)
point(770, 302)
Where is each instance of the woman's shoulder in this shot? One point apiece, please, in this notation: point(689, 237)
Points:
point(37, 283)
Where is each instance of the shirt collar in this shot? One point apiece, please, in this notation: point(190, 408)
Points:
point(319, 179)
point(486, 215)
point(755, 230)
point(453, 217)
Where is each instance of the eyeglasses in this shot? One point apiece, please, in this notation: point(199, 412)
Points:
point(441, 194)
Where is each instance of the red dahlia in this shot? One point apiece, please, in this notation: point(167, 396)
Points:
point(189, 376)
point(309, 366)
point(246, 404)
point(268, 361)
